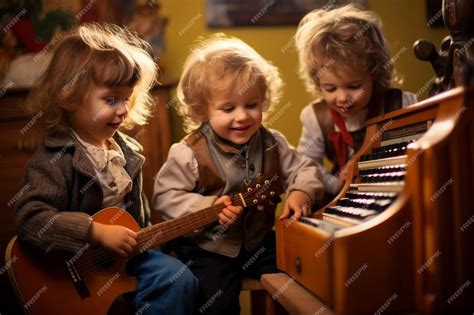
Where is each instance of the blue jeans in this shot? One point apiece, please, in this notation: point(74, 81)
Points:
point(164, 284)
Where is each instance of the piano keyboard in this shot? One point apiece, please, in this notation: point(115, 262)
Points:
point(381, 177)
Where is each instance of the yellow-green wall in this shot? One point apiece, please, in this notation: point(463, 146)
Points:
point(403, 21)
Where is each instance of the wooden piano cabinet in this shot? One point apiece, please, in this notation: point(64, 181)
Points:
point(350, 270)
point(305, 254)
point(18, 143)
point(443, 208)
point(416, 254)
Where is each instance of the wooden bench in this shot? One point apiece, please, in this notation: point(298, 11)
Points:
point(291, 296)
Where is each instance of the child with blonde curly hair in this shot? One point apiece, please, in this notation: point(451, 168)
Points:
point(345, 63)
point(225, 89)
point(97, 82)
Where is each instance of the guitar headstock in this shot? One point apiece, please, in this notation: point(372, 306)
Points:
point(262, 190)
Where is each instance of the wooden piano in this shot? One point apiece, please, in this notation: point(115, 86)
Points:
point(400, 234)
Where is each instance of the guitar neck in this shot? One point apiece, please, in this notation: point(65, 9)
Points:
point(160, 233)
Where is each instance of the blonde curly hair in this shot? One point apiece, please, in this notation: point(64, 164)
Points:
point(95, 55)
point(342, 37)
point(218, 63)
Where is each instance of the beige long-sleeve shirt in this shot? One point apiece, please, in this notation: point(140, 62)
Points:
point(174, 189)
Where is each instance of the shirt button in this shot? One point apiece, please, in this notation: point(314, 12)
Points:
point(243, 166)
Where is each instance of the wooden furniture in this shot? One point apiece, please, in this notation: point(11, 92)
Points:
point(258, 295)
point(294, 298)
point(20, 137)
point(400, 235)
point(18, 142)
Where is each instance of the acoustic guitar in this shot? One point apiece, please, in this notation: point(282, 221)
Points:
point(89, 281)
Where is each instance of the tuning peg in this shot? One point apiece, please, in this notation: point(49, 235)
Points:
point(260, 207)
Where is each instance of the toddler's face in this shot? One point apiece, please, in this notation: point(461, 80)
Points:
point(346, 90)
point(100, 114)
point(235, 114)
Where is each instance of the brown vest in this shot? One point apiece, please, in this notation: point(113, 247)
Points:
point(391, 100)
point(256, 223)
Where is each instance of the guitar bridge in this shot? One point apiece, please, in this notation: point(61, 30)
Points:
point(77, 281)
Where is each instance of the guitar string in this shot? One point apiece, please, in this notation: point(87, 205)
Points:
point(235, 200)
point(103, 256)
point(186, 220)
point(171, 227)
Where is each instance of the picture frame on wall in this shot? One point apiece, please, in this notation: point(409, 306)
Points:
point(232, 13)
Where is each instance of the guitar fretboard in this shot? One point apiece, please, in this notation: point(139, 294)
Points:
point(155, 235)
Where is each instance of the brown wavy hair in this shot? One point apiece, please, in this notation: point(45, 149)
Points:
point(94, 55)
point(346, 36)
point(219, 63)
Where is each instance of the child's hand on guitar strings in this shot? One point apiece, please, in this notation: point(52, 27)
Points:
point(116, 238)
point(230, 212)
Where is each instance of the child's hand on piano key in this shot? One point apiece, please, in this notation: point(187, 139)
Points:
point(230, 212)
point(298, 202)
point(342, 178)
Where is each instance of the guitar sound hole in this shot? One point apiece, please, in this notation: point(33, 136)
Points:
point(103, 260)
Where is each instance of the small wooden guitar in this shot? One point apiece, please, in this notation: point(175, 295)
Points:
point(89, 281)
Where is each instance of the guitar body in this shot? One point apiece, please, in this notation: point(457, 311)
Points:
point(45, 284)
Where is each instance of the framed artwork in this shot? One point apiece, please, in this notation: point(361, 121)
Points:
point(230, 13)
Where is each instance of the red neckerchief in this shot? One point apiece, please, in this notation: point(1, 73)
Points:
point(340, 139)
